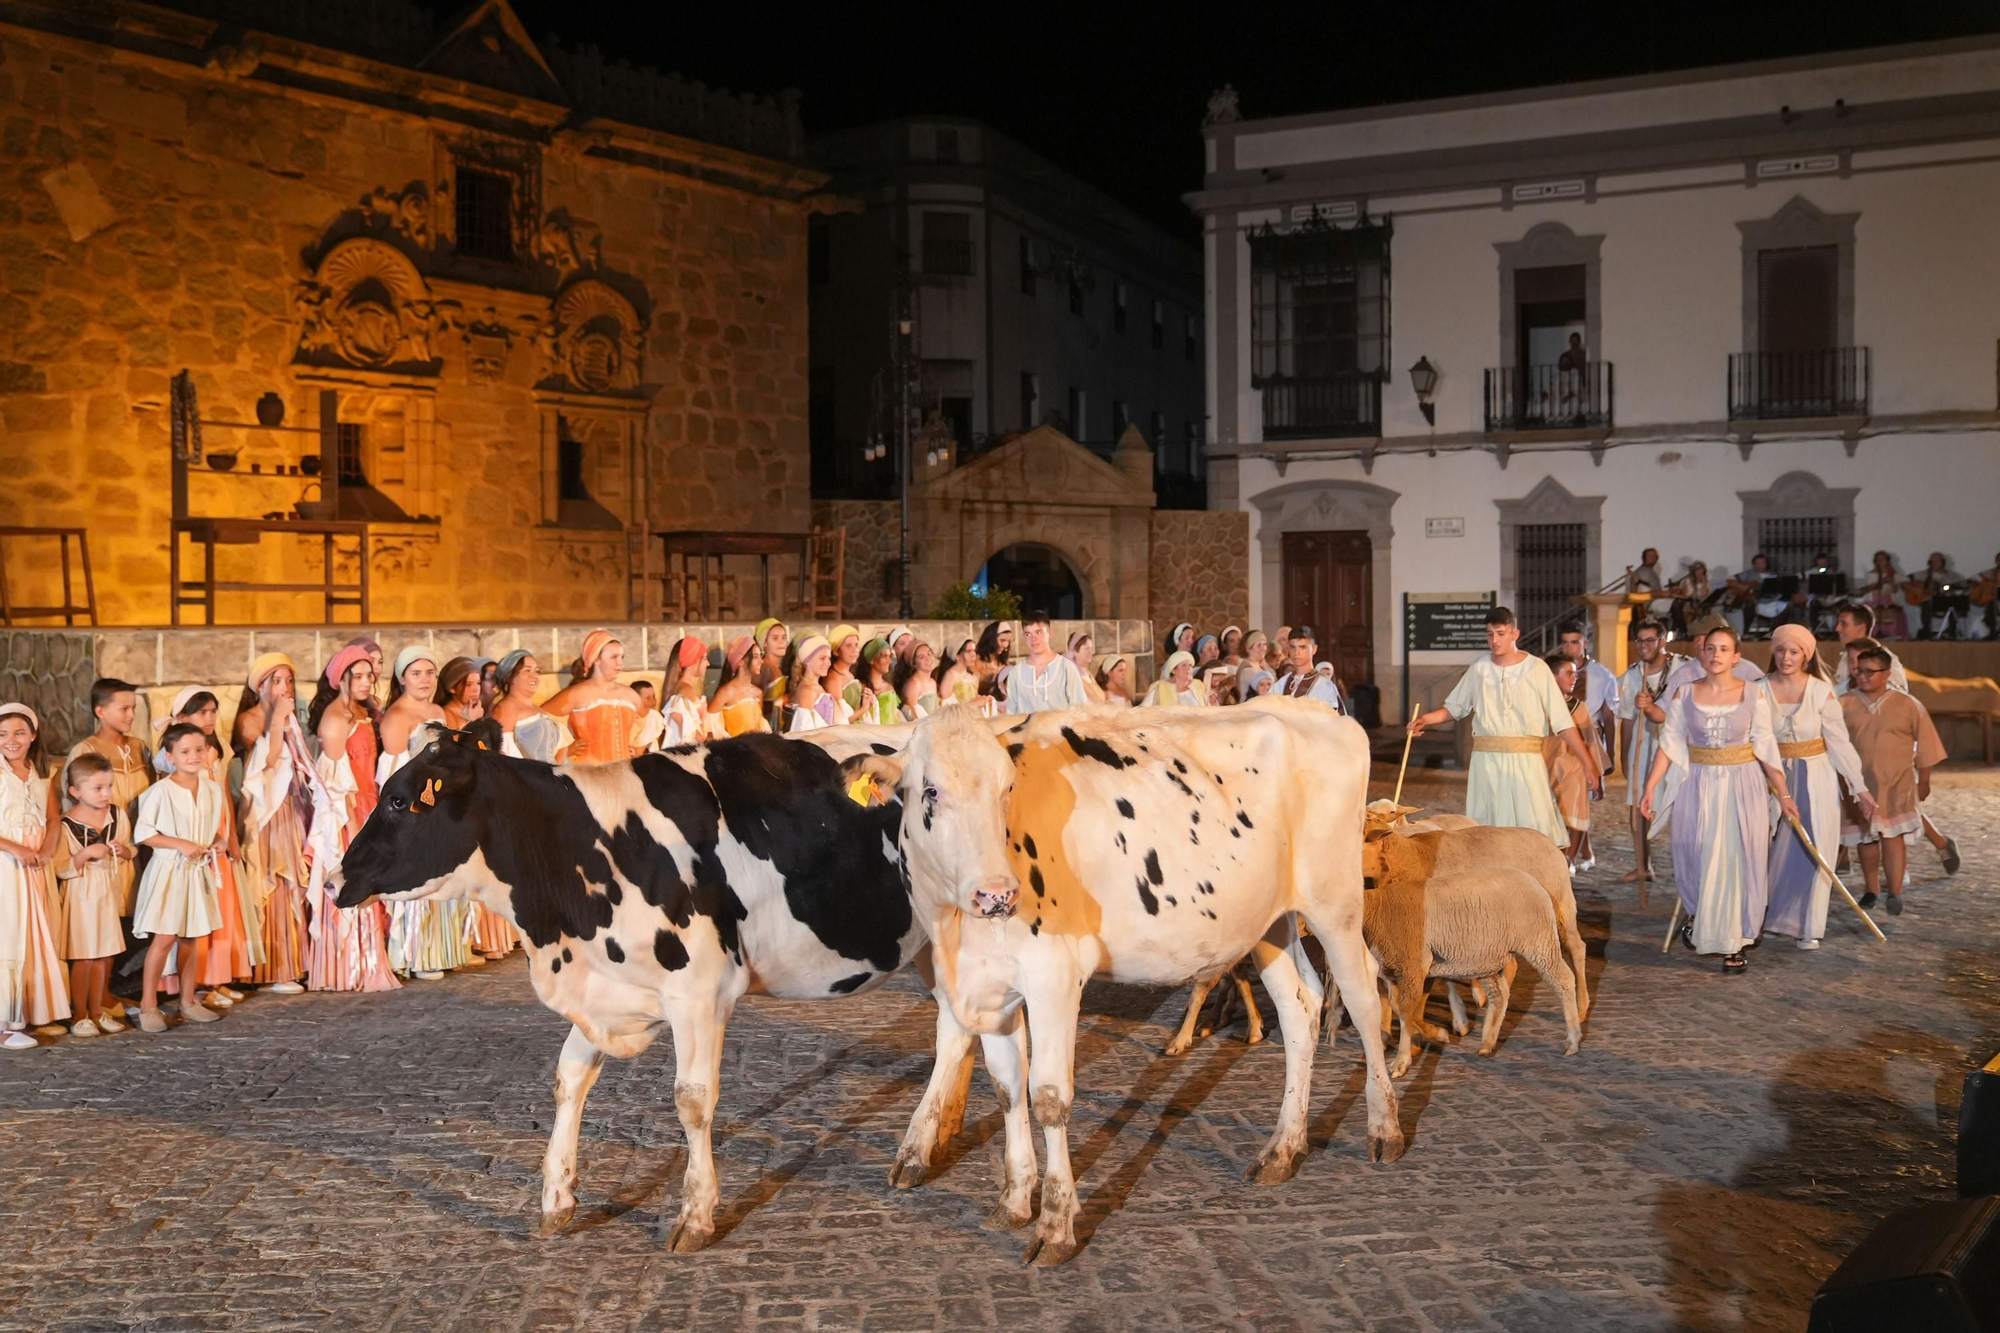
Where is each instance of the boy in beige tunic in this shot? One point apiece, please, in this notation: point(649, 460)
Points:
point(1890, 730)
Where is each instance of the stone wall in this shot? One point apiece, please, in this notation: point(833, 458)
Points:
point(873, 545)
point(50, 670)
point(1200, 565)
point(273, 239)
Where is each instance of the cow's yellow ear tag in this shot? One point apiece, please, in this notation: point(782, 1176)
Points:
point(861, 791)
point(430, 792)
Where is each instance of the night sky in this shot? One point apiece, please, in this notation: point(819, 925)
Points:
point(1117, 95)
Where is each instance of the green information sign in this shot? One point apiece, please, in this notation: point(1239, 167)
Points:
point(1448, 622)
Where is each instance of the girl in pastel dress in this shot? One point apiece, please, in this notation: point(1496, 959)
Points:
point(278, 804)
point(182, 820)
point(812, 706)
point(349, 947)
point(916, 683)
point(526, 732)
point(32, 993)
point(238, 942)
point(683, 704)
point(94, 855)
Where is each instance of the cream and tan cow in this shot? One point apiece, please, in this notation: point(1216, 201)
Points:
point(1154, 846)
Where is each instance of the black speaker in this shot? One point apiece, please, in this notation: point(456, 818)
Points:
point(1979, 1133)
point(1935, 1268)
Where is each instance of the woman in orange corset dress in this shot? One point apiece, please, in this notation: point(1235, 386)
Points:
point(349, 948)
point(605, 717)
point(738, 705)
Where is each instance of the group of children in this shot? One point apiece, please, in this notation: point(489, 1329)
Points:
point(195, 876)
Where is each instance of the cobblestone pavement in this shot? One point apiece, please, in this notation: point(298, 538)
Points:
point(369, 1162)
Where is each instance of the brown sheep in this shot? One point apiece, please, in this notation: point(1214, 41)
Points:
point(1467, 926)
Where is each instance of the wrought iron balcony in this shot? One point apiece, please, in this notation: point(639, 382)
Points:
point(1307, 406)
point(1524, 398)
point(1766, 386)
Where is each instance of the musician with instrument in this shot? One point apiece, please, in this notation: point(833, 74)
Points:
point(1943, 597)
point(1986, 597)
point(1693, 596)
point(1882, 594)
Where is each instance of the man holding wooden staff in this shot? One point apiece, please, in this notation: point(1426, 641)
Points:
point(1514, 702)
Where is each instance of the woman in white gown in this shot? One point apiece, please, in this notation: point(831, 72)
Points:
point(1818, 757)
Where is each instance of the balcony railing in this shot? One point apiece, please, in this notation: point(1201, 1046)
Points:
point(1766, 386)
point(1302, 407)
point(1523, 398)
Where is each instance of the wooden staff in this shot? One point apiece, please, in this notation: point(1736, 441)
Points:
point(1408, 736)
point(1673, 924)
point(1827, 870)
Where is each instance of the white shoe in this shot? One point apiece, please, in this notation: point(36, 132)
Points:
point(1808, 944)
point(215, 999)
point(109, 1024)
point(18, 1041)
point(285, 988)
point(83, 1027)
point(428, 976)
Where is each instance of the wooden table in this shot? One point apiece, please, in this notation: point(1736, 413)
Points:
point(70, 608)
point(210, 533)
point(706, 545)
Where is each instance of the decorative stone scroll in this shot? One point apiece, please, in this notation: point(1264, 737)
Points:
point(368, 307)
point(592, 341)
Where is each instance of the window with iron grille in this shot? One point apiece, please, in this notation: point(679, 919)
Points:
point(1548, 571)
point(484, 207)
point(1793, 542)
point(1319, 305)
point(351, 472)
point(948, 244)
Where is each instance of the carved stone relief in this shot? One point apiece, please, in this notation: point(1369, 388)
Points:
point(591, 340)
point(367, 306)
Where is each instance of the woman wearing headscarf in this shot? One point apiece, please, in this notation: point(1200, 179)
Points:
point(526, 732)
point(1180, 639)
point(682, 702)
point(1083, 652)
point(959, 682)
point(995, 655)
point(878, 704)
point(1114, 680)
point(1232, 645)
point(916, 683)
point(278, 777)
point(843, 677)
point(458, 691)
point(377, 660)
point(1253, 681)
point(348, 947)
point(774, 645)
point(606, 717)
point(427, 936)
point(1817, 756)
point(1256, 651)
point(813, 706)
point(738, 705)
point(1177, 687)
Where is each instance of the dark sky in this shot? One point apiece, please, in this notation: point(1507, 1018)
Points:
point(1116, 94)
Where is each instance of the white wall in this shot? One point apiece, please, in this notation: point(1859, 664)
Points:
point(1918, 493)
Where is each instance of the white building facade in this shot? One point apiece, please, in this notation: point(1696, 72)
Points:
point(1713, 312)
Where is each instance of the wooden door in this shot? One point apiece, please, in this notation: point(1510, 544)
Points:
point(1328, 585)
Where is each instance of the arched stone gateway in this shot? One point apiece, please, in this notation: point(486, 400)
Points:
point(1043, 577)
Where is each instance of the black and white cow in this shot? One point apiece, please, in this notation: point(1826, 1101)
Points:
point(662, 889)
point(1157, 846)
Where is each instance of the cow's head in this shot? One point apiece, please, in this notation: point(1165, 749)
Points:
point(953, 778)
point(423, 839)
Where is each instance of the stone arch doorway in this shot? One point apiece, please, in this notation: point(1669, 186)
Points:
point(1041, 576)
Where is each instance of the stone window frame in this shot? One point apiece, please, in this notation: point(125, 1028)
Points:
point(1801, 494)
point(520, 162)
point(610, 508)
point(1549, 501)
point(1551, 245)
point(1331, 506)
point(1796, 225)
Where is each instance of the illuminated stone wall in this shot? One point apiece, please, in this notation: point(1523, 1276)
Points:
point(267, 238)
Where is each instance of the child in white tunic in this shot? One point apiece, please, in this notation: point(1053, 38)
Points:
point(181, 820)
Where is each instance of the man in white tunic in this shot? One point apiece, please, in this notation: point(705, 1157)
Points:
point(1044, 679)
point(1304, 680)
point(1643, 682)
point(1514, 702)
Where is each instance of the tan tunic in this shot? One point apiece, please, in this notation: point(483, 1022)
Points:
point(1895, 738)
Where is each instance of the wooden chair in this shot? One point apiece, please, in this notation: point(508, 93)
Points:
point(826, 573)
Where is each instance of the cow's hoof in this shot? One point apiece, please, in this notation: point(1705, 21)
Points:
point(1178, 1047)
point(1254, 1038)
point(1489, 1048)
point(1043, 1252)
point(1571, 1047)
point(685, 1239)
point(1003, 1218)
point(1385, 1149)
point(1436, 1035)
point(1399, 1068)
point(1461, 1028)
point(1274, 1168)
point(908, 1172)
point(552, 1223)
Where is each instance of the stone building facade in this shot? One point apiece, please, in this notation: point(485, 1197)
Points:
point(1130, 559)
point(562, 302)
